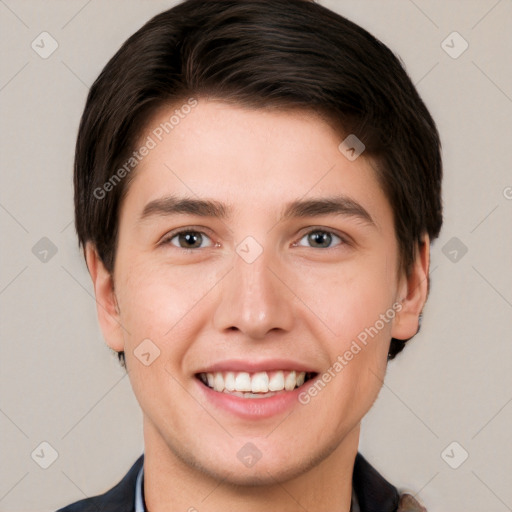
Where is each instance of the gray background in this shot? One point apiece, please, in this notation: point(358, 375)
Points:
point(61, 384)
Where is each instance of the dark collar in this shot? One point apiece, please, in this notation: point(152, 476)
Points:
point(374, 493)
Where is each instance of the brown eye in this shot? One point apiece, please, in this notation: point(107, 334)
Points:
point(190, 240)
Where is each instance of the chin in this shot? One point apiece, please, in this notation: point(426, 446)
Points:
point(258, 476)
point(271, 469)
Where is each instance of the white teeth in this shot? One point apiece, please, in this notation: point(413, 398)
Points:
point(255, 384)
point(290, 381)
point(259, 382)
point(229, 381)
point(218, 382)
point(243, 382)
point(276, 382)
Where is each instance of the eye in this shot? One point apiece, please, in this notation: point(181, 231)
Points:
point(320, 239)
point(189, 239)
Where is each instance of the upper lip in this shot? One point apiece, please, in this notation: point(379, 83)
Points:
point(264, 365)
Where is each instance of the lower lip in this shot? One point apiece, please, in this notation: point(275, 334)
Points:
point(252, 408)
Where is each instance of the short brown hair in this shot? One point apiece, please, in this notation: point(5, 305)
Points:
point(291, 54)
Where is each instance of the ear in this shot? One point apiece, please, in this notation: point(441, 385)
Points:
point(106, 302)
point(412, 293)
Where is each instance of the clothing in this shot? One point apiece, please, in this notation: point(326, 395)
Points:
point(370, 493)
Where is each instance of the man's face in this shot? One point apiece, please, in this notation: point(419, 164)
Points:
point(255, 294)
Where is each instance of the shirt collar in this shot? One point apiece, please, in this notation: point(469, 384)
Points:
point(140, 506)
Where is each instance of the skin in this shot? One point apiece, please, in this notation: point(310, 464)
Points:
point(297, 300)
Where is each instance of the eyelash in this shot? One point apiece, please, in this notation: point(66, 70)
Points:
point(167, 240)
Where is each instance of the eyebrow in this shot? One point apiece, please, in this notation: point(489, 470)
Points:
point(175, 205)
point(336, 205)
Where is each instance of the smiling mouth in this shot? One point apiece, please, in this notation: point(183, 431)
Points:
point(255, 385)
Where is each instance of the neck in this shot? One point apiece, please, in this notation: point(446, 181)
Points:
point(171, 483)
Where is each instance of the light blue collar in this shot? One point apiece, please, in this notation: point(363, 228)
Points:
point(139, 500)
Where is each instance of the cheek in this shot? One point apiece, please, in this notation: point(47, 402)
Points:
point(165, 304)
point(351, 299)
point(156, 304)
point(155, 296)
point(362, 312)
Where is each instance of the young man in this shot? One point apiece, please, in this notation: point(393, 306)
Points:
point(257, 184)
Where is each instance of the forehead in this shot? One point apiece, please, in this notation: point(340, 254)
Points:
point(248, 158)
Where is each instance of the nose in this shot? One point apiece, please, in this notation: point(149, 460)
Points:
point(254, 299)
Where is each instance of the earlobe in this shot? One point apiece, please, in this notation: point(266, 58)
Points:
point(106, 302)
point(413, 293)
